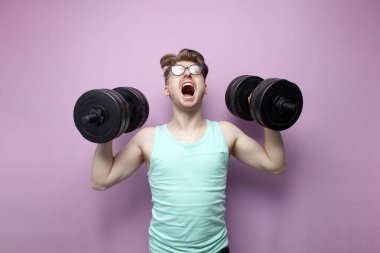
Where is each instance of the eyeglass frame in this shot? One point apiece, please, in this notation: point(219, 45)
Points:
point(188, 67)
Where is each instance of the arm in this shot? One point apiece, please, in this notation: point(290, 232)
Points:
point(275, 150)
point(269, 157)
point(108, 170)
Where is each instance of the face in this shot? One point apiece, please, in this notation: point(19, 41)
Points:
point(186, 85)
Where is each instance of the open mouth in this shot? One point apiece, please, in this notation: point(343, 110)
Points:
point(188, 89)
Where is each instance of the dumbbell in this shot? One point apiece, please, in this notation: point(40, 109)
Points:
point(102, 115)
point(274, 103)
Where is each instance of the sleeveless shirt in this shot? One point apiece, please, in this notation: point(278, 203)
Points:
point(188, 182)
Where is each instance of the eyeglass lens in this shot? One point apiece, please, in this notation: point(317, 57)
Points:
point(179, 69)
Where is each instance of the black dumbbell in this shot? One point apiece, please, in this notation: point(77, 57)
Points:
point(102, 115)
point(274, 103)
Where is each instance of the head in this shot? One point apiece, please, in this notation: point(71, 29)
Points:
point(185, 75)
point(169, 60)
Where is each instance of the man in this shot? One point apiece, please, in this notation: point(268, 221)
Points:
point(187, 162)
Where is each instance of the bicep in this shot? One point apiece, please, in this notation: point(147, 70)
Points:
point(127, 161)
point(250, 152)
point(246, 149)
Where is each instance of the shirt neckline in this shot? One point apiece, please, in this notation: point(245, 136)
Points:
point(188, 143)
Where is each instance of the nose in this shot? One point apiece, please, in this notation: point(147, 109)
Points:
point(187, 72)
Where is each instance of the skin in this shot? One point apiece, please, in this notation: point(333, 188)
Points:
point(187, 124)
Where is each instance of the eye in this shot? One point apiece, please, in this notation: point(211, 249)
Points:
point(178, 70)
point(195, 69)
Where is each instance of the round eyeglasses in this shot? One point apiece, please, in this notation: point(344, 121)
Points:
point(193, 69)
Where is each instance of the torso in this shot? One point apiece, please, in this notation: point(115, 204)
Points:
point(187, 177)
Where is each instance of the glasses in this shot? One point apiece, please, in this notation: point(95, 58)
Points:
point(193, 69)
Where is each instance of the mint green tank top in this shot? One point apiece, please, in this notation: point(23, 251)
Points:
point(188, 182)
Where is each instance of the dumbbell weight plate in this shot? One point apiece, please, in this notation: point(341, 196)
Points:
point(124, 107)
point(144, 108)
point(138, 107)
point(237, 94)
point(263, 103)
point(235, 99)
point(112, 112)
point(229, 96)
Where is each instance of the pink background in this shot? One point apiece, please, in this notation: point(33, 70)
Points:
point(53, 51)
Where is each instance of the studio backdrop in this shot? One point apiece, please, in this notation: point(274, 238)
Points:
point(51, 52)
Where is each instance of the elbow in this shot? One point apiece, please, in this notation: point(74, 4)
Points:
point(278, 170)
point(98, 187)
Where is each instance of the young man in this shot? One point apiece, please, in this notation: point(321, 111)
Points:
point(187, 162)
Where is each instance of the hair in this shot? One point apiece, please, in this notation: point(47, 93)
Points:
point(185, 54)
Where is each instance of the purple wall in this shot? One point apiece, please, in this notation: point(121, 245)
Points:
point(53, 51)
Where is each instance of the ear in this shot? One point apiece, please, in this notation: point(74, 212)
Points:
point(206, 89)
point(166, 90)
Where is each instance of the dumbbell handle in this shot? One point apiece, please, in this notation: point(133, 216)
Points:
point(90, 118)
point(95, 115)
point(285, 105)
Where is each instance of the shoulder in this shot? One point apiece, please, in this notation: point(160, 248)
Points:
point(145, 132)
point(230, 131)
point(144, 135)
point(228, 127)
point(144, 139)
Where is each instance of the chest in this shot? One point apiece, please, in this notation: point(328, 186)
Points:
point(201, 169)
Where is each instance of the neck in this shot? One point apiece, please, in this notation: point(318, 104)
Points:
point(187, 121)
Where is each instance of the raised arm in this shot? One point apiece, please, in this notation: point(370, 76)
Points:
point(108, 170)
point(269, 157)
